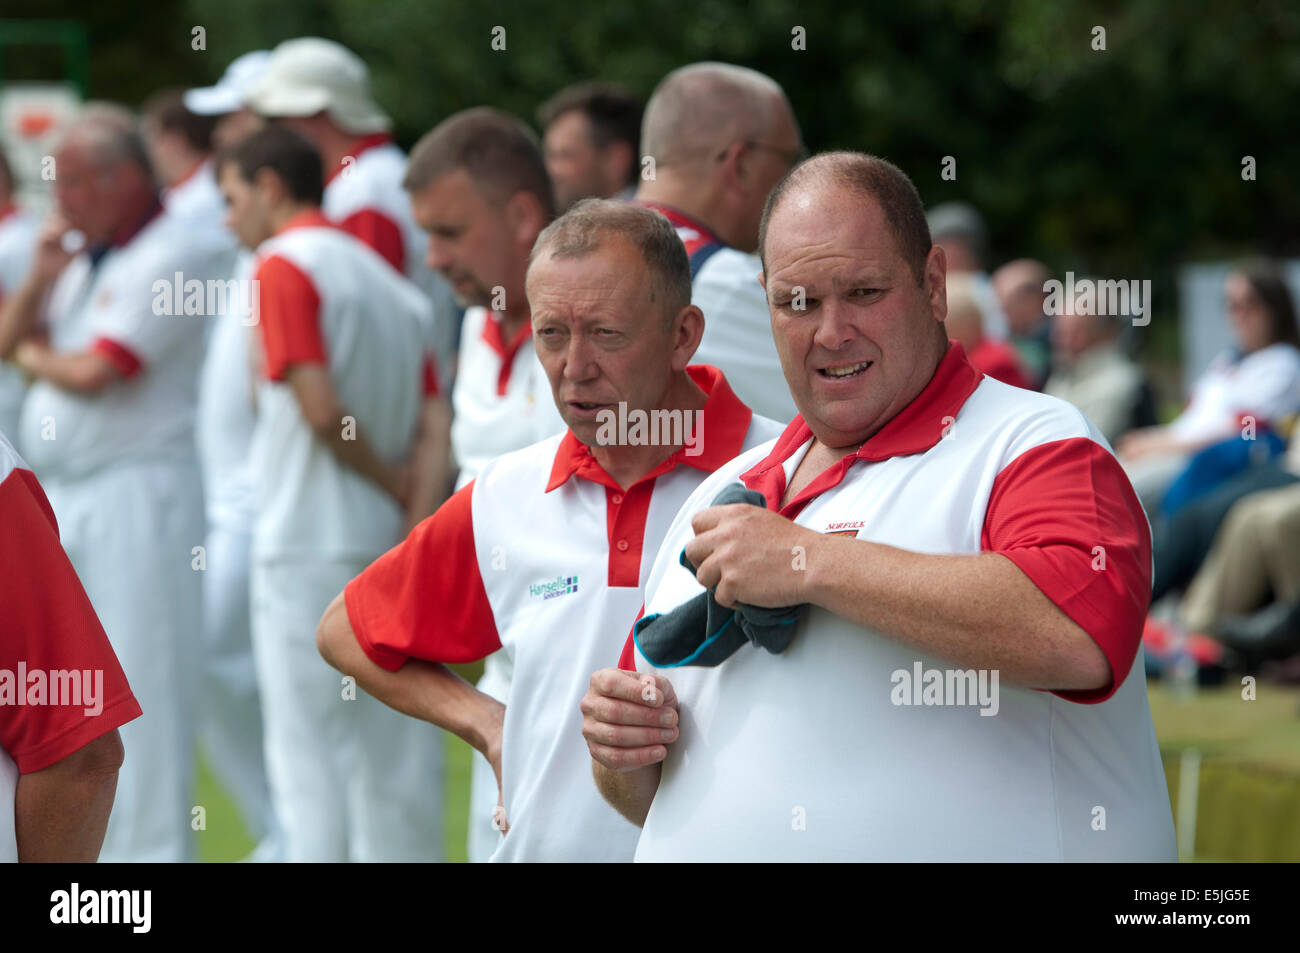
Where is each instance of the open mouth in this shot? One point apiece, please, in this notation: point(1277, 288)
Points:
point(845, 371)
point(585, 407)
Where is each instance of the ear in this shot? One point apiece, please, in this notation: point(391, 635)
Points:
point(733, 165)
point(268, 188)
point(687, 329)
point(936, 283)
point(524, 218)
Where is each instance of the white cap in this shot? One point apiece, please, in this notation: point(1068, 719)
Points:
point(308, 75)
point(228, 95)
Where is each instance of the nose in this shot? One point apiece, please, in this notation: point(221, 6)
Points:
point(835, 329)
point(578, 364)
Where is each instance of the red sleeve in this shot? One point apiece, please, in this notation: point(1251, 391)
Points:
point(119, 355)
point(1066, 515)
point(380, 232)
point(425, 598)
point(51, 632)
point(430, 387)
point(289, 316)
point(627, 660)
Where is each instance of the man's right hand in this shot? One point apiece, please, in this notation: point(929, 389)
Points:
point(50, 256)
point(629, 718)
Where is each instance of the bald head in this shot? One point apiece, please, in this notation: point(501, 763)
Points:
point(108, 135)
point(103, 180)
point(701, 108)
point(867, 177)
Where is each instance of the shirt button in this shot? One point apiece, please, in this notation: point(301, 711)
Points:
point(617, 499)
point(622, 545)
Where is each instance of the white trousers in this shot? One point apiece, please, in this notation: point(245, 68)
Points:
point(130, 532)
point(230, 711)
point(351, 779)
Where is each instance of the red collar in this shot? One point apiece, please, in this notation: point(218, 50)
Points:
point(725, 419)
point(354, 151)
point(683, 221)
point(914, 429)
point(494, 339)
point(122, 237)
point(311, 218)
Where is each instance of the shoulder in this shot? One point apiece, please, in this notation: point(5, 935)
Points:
point(1022, 419)
point(732, 270)
point(528, 468)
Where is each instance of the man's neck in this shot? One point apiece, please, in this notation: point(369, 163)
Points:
point(665, 191)
point(626, 463)
point(286, 212)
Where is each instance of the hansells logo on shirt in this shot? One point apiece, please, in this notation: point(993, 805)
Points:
point(845, 529)
point(559, 586)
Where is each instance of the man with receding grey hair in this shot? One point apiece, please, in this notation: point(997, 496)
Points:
point(541, 556)
point(717, 137)
point(108, 425)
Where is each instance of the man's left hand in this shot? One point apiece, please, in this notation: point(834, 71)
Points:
point(750, 555)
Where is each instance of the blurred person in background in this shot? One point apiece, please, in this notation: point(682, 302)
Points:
point(18, 232)
point(349, 451)
point(591, 136)
point(959, 229)
point(720, 137)
point(1021, 293)
point(230, 709)
point(965, 325)
point(108, 426)
point(321, 90)
point(1258, 379)
point(1093, 373)
point(479, 188)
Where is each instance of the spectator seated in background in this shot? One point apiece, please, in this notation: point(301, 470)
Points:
point(1092, 372)
point(958, 228)
point(1021, 289)
point(965, 324)
point(1258, 382)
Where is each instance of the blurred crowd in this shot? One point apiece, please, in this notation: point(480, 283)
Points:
point(188, 456)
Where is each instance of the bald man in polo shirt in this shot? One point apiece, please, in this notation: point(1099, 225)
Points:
point(543, 556)
point(965, 682)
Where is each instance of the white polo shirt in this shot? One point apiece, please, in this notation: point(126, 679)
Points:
point(18, 235)
point(542, 557)
point(502, 398)
point(737, 324)
point(326, 298)
point(364, 195)
point(831, 751)
point(50, 630)
point(1264, 384)
point(114, 309)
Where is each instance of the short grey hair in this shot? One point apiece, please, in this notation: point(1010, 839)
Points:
point(111, 134)
point(590, 223)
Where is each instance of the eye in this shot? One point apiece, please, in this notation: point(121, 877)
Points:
point(864, 292)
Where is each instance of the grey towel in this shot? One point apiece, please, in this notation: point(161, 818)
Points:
point(702, 632)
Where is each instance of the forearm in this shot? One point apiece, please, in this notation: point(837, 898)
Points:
point(355, 451)
point(84, 372)
point(61, 812)
point(19, 313)
point(976, 611)
point(628, 792)
point(426, 690)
